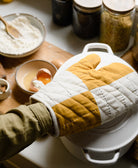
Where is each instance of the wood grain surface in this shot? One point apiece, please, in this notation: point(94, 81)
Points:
point(9, 66)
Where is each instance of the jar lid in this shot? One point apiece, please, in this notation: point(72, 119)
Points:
point(120, 5)
point(89, 3)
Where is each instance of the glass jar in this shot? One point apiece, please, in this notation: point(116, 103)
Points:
point(62, 12)
point(117, 20)
point(86, 18)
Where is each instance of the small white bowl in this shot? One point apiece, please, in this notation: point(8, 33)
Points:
point(35, 22)
point(30, 68)
point(4, 95)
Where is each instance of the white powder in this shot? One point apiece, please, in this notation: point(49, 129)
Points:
point(38, 84)
point(31, 37)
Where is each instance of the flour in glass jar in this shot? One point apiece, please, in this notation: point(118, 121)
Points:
point(30, 39)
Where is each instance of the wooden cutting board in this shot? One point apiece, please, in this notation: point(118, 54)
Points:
point(47, 52)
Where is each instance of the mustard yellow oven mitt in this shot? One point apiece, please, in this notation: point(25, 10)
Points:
point(89, 93)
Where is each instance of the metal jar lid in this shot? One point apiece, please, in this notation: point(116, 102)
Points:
point(88, 3)
point(120, 5)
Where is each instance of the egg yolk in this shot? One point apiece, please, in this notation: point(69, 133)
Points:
point(44, 80)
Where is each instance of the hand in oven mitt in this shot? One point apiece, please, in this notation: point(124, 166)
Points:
point(89, 93)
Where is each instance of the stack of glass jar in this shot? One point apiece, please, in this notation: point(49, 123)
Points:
point(84, 16)
point(112, 20)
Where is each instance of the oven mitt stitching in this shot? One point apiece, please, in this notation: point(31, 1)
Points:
point(83, 79)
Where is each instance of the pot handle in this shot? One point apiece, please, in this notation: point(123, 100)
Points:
point(97, 46)
point(101, 162)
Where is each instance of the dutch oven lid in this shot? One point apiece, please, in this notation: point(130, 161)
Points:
point(110, 136)
point(114, 134)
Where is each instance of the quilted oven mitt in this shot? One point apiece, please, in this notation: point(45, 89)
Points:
point(89, 93)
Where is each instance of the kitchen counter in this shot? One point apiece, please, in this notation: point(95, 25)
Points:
point(49, 152)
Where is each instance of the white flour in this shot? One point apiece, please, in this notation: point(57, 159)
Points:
point(30, 38)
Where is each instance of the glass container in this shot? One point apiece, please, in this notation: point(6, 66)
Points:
point(86, 18)
point(117, 21)
point(62, 12)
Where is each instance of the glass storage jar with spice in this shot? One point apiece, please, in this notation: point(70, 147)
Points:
point(62, 12)
point(117, 21)
point(86, 18)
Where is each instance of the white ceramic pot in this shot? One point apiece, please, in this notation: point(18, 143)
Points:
point(103, 145)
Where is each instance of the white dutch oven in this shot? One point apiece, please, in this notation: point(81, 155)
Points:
point(103, 145)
